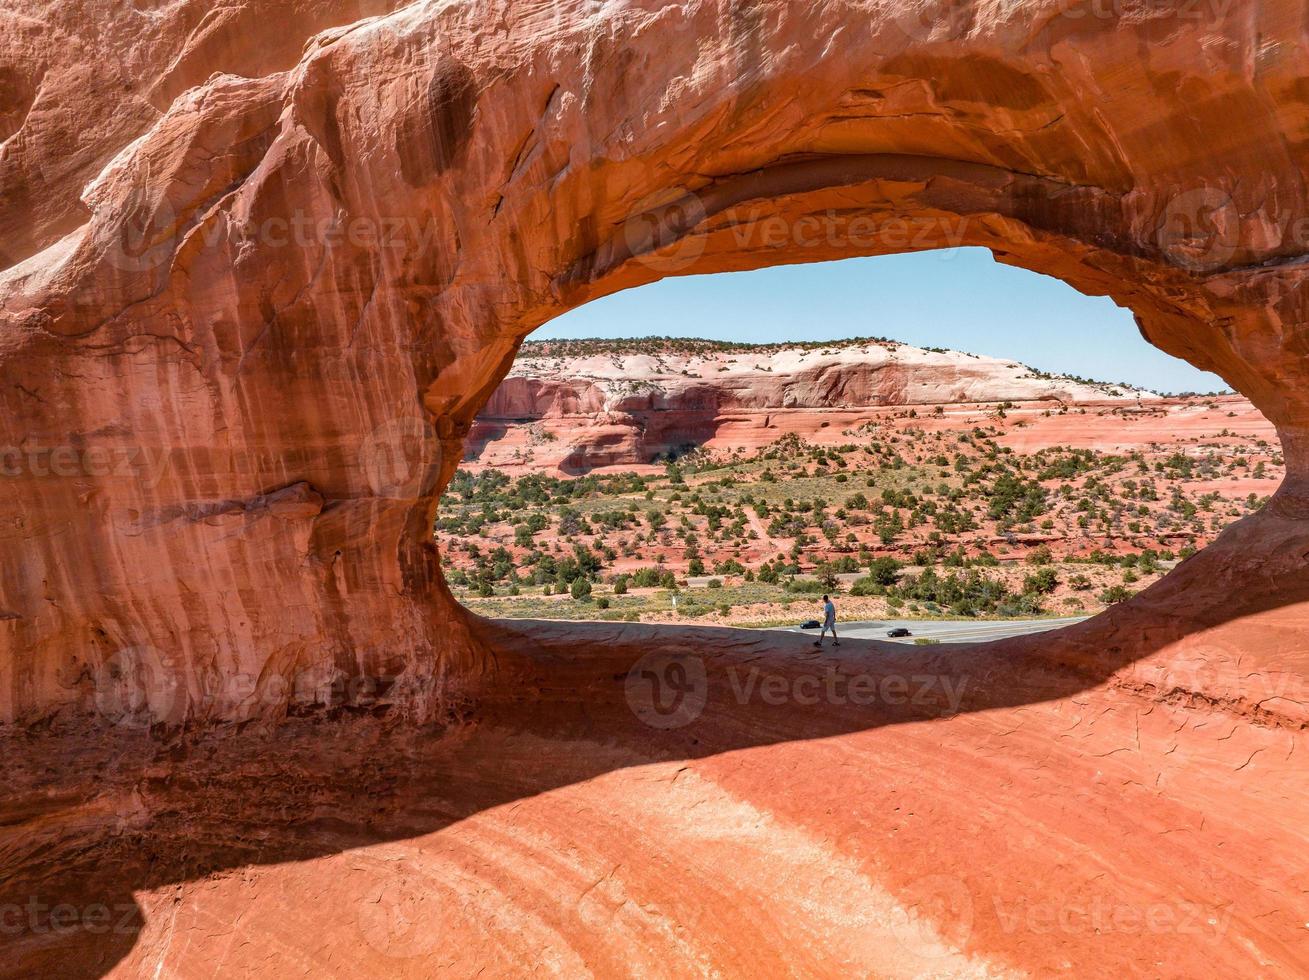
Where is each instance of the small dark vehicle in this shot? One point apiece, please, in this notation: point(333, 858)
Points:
point(810, 624)
point(898, 631)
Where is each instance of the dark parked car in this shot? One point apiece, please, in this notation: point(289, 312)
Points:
point(810, 624)
point(898, 631)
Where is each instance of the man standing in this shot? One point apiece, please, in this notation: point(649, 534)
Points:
point(829, 623)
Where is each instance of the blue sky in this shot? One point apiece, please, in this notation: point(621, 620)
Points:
point(960, 298)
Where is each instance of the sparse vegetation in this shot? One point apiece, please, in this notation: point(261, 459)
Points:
point(897, 514)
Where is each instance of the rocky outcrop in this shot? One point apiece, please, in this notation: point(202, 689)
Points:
point(259, 282)
point(313, 269)
point(603, 404)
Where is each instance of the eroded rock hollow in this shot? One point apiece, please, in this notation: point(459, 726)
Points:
point(263, 266)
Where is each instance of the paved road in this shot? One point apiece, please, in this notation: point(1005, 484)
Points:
point(947, 630)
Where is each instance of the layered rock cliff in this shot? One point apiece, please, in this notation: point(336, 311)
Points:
point(579, 405)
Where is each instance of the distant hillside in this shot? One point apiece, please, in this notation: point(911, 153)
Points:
point(574, 405)
point(591, 346)
point(563, 350)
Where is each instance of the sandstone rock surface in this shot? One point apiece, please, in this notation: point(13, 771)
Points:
point(264, 264)
point(622, 407)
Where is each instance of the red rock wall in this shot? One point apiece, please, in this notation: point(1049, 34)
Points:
point(638, 411)
point(255, 295)
point(238, 368)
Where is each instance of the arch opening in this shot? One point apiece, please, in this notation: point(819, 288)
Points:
point(1158, 254)
point(963, 497)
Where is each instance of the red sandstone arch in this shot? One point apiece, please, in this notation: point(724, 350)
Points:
point(246, 363)
point(254, 324)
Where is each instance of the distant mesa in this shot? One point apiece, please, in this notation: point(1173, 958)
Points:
point(571, 406)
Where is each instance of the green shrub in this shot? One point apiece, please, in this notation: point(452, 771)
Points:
point(1115, 593)
point(885, 570)
point(1040, 556)
point(867, 586)
point(1041, 582)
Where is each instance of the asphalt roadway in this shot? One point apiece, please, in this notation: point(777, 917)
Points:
point(944, 630)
